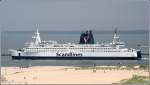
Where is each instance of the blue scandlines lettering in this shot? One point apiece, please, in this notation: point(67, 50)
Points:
point(69, 54)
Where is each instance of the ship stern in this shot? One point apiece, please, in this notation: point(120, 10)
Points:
point(139, 56)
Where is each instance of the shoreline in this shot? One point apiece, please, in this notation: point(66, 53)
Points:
point(69, 74)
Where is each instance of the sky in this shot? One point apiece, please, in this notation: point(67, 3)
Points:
point(73, 14)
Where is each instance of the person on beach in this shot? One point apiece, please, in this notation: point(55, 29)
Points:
point(24, 77)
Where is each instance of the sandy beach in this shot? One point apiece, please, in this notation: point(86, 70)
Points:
point(66, 75)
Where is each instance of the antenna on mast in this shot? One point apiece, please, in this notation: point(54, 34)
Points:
point(116, 29)
point(36, 37)
point(37, 26)
point(116, 37)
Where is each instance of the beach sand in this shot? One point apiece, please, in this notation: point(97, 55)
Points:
point(66, 75)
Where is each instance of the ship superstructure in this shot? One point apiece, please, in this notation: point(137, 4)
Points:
point(85, 49)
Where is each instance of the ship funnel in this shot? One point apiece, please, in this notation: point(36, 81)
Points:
point(87, 37)
point(91, 38)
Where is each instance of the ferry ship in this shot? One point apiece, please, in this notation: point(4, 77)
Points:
point(85, 49)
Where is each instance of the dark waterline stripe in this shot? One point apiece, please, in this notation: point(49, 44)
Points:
point(73, 58)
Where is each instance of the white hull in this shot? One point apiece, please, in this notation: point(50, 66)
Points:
point(74, 54)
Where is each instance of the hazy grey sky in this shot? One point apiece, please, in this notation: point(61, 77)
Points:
point(74, 14)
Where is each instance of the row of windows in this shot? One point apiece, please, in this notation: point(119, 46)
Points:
point(99, 50)
point(46, 48)
point(80, 51)
point(70, 48)
point(66, 51)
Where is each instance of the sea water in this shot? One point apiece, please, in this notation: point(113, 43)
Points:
point(17, 40)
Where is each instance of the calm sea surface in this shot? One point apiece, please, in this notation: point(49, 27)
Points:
point(16, 40)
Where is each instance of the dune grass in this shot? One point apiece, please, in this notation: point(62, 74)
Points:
point(128, 67)
point(136, 80)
